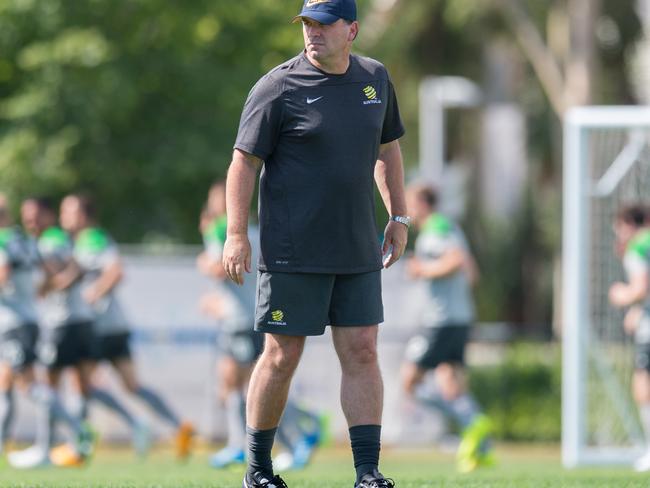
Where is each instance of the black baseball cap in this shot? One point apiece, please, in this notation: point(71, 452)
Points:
point(328, 11)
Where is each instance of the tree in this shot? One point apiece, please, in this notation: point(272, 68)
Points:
point(573, 52)
point(135, 101)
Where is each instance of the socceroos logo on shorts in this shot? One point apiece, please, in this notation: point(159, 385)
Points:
point(277, 318)
point(371, 95)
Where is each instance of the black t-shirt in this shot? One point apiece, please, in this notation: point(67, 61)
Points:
point(319, 135)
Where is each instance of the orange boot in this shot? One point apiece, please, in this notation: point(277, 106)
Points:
point(184, 438)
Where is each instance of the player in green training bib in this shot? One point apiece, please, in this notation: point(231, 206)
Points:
point(442, 259)
point(99, 260)
point(632, 228)
point(18, 335)
point(240, 345)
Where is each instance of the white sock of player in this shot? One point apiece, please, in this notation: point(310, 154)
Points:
point(50, 410)
point(79, 406)
point(644, 415)
point(465, 409)
point(6, 415)
point(236, 418)
point(44, 428)
point(462, 410)
point(433, 399)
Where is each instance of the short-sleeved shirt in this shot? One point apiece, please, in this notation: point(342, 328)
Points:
point(239, 300)
point(61, 307)
point(449, 298)
point(94, 251)
point(17, 304)
point(319, 136)
point(637, 261)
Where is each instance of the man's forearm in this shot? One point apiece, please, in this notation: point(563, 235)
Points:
point(5, 273)
point(108, 280)
point(389, 176)
point(444, 266)
point(239, 191)
point(638, 289)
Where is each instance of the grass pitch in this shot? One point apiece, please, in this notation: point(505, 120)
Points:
point(518, 467)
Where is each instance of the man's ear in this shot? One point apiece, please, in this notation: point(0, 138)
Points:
point(354, 31)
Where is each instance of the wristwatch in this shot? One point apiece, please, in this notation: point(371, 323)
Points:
point(402, 219)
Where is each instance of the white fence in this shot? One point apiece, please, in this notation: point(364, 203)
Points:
point(174, 349)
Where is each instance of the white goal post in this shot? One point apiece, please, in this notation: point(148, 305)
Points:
point(606, 165)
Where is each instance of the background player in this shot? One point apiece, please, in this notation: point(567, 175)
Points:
point(240, 346)
point(442, 258)
point(99, 260)
point(633, 245)
point(18, 259)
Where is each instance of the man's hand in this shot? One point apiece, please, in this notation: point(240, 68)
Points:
point(632, 320)
point(237, 257)
point(618, 295)
point(395, 237)
point(210, 267)
point(212, 305)
point(414, 268)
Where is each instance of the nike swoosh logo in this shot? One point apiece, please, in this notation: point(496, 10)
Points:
point(312, 100)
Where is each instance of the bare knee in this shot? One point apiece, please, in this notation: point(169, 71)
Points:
point(358, 353)
point(6, 377)
point(130, 383)
point(228, 374)
point(282, 355)
point(641, 387)
point(450, 380)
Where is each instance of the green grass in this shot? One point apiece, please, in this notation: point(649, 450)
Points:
point(519, 467)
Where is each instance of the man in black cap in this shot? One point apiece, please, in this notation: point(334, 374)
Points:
point(320, 126)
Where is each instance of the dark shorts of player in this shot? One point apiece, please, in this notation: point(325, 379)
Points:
point(112, 347)
point(243, 346)
point(433, 346)
point(18, 346)
point(642, 357)
point(303, 304)
point(67, 345)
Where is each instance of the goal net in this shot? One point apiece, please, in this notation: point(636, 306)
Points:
point(606, 165)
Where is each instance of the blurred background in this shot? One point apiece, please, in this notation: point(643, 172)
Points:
point(138, 102)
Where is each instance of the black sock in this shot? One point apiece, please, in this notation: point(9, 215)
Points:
point(260, 443)
point(365, 441)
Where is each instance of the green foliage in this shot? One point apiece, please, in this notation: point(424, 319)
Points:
point(136, 101)
point(453, 37)
point(522, 394)
point(509, 253)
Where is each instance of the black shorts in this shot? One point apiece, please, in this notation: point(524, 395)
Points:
point(18, 346)
point(642, 357)
point(243, 346)
point(436, 345)
point(111, 347)
point(303, 304)
point(67, 345)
